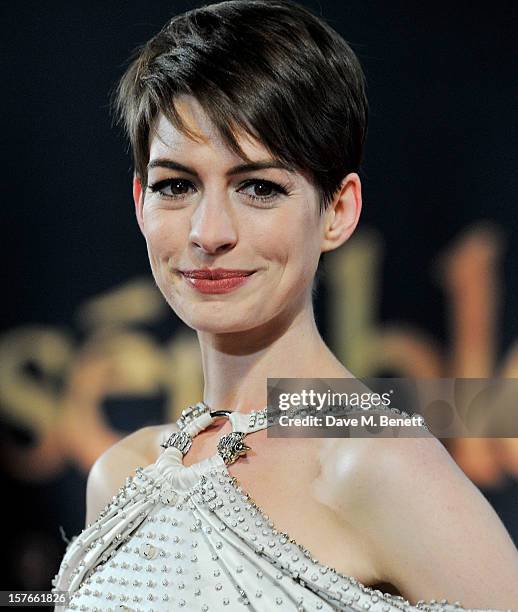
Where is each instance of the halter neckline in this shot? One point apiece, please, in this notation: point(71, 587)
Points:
point(197, 417)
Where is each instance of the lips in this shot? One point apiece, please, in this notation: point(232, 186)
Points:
point(216, 273)
point(218, 280)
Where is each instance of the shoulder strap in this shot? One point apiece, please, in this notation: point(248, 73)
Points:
point(248, 423)
point(198, 416)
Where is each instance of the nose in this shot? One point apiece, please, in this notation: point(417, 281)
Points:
point(213, 229)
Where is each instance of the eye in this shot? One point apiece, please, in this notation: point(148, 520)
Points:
point(259, 190)
point(175, 188)
point(262, 190)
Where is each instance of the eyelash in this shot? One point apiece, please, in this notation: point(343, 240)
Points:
point(279, 189)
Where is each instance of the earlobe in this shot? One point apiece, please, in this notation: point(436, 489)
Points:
point(138, 199)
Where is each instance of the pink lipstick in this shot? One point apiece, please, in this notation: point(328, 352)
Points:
point(217, 280)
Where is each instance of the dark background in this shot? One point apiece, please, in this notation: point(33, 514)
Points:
point(440, 157)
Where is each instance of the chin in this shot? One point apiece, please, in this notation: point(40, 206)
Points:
point(217, 320)
point(220, 326)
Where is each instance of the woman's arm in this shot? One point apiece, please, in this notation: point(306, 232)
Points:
point(434, 534)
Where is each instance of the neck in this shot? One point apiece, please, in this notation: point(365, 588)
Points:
point(236, 365)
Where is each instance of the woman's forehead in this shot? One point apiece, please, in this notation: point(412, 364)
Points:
point(164, 136)
point(209, 148)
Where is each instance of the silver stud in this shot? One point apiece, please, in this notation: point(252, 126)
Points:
point(147, 551)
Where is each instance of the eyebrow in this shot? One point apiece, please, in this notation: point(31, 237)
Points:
point(239, 169)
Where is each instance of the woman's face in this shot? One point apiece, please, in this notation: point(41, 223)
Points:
point(205, 209)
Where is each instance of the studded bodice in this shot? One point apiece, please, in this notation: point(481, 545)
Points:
point(177, 537)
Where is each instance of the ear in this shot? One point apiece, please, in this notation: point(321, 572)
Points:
point(138, 198)
point(342, 215)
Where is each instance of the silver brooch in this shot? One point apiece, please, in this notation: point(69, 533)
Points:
point(231, 446)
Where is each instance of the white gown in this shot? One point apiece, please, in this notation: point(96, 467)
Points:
point(190, 538)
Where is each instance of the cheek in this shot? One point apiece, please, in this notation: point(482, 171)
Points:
point(162, 235)
point(302, 234)
point(292, 243)
point(305, 252)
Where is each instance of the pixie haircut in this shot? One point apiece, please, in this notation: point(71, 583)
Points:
point(268, 68)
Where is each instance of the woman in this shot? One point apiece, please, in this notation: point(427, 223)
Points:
point(247, 121)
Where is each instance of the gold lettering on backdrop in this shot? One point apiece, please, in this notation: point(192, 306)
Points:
point(68, 423)
point(30, 358)
point(468, 273)
point(137, 301)
point(113, 362)
point(358, 340)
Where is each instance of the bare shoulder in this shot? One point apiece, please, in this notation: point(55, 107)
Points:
point(379, 477)
point(355, 472)
point(414, 466)
point(431, 531)
point(111, 469)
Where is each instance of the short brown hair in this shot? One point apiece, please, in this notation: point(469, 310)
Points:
point(268, 67)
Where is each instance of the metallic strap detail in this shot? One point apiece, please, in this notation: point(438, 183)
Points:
point(220, 413)
point(230, 446)
point(180, 440)
point(257, 419)
point(190, 413)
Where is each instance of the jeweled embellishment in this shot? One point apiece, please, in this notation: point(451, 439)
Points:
point(231, 446)
point(168, 496)
point(191, 413)
point(148, 551)
point(180, 440)
point(257, 418)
